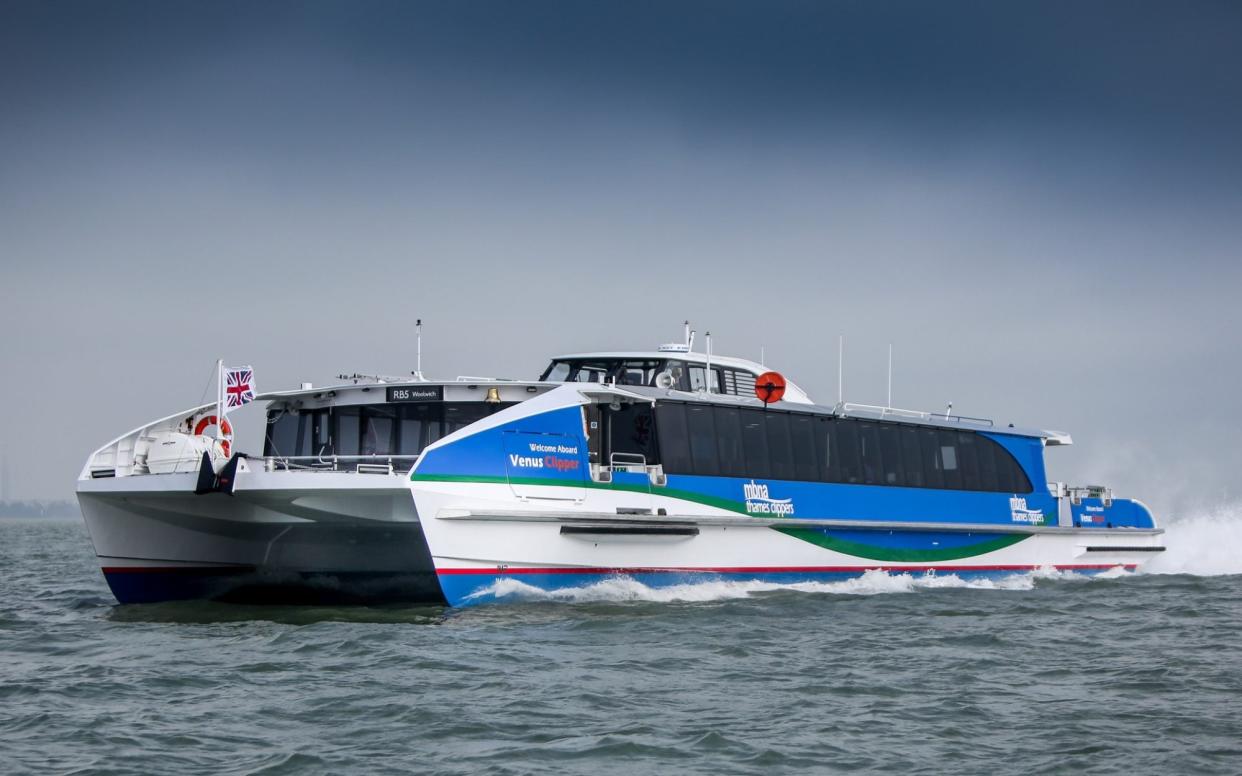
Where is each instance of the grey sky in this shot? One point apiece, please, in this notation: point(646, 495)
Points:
point(1040, 207)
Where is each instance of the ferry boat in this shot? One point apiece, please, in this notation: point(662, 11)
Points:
point(324, 514)
point(668, 482)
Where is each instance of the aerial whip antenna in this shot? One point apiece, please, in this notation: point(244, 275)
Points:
point(840, 369)
point(418, 358)
point(707, 375)
point(890, 376)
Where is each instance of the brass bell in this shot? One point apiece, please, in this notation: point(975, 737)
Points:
point(493, 395)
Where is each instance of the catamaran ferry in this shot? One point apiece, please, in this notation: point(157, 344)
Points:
point(324, 514)
point(668, 481)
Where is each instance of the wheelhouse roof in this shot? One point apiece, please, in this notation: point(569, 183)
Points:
point(665, 355)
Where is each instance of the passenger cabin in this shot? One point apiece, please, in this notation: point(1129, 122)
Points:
point(342, 426)
point(724, 438)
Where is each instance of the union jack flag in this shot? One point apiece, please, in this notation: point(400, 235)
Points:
point(238, 387)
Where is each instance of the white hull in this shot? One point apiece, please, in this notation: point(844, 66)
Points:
point(479, 533)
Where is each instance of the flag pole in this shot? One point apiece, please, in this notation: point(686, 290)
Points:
point(219, 399)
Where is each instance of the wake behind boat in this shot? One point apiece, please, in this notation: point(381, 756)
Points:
point(668, 485)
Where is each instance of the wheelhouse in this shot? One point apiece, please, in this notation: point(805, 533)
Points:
point(686, 371)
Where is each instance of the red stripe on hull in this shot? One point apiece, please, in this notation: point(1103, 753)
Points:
point(779, 569)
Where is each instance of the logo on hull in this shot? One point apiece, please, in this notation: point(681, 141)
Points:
point(758, 502)
point(1020, 514)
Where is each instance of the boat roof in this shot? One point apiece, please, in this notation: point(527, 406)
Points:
point(663, 355)
point(851, 410)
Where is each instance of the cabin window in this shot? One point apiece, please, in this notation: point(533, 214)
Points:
point(698, 379)
point(674, 438)
point(283, 428)
point(825, 441)
point(348, 423)
point(378, 424)
point(780, 447)
point(890, 453)
point(755, 444)
point(1010, 477)
point(988, 479)
point(557, 373)
point(968, 461)
point(911, 460)
point(805, 457)
point(949, 468)
point(702, 427)
point(321, 434)
point(592, 372)
point(416, 427)
point(631, 431)
point(729, 442)
point(933, 467)
point(763, 444)
point(847, 446)
point(869, 449)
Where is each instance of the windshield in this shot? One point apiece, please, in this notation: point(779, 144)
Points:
point(624, 371)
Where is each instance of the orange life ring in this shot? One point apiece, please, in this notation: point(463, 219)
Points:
point(226, 429)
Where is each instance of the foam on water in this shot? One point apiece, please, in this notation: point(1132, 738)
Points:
point(1203, 542)
point(875, 582)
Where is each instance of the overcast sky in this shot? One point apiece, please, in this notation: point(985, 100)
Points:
point(1039, 205)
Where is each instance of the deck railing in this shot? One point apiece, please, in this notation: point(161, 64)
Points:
point(845, 408)
point(361, 464)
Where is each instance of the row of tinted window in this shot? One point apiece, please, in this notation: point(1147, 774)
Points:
point(741, 442)
point(373, 429)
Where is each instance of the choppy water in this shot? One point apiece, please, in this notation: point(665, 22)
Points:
point(1036, 674)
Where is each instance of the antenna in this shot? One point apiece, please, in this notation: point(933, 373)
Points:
point(689, 336)
point(840, 368)
point(762, 360)
point(690, 341)
point(707, 374)
point(890, 376)
point(418, 358)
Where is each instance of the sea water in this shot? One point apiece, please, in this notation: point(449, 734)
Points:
point(1036, 673)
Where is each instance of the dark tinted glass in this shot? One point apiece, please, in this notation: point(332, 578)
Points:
point(674, 439)
point(911, 457)
point(755, 443)
point(986, 450)
point(890, 452)
point(632, 433)
point(458, 415)
point(1010, 477)
point(950, 461)
point(780, 449)
point(802, 434)
point(415, 426)
point(282, 434)
point(968, 460)
point(702, 425)
point(847, 450)
point(377, 430)
point(825, 444)
point(869, 453)
point(933, 469)
point(347, 425)
point(729, 442)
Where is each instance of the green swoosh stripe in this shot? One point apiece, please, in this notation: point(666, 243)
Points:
point(899, 554)
point(818, 538)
